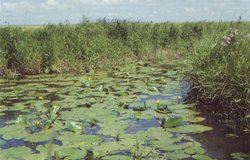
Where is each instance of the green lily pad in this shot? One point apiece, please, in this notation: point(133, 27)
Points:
point(13, 132)
point(41, 156)
point(171, 122)
point(117, 157)
point(108, 147)
point(169, 144)
point(77, 140)
point(191, 128)
point(177, 155)
point(15, 153)
point(74, 126)
point(196, 119)
point(64, 151)
point(40, 136)
point(194, 150)
point(201, 157)
point(240, 156)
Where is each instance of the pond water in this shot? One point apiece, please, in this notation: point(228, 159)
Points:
point(130, 112)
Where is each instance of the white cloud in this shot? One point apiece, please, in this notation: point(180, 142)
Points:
point(9, 5)
point(52, 2)
point(12, 6)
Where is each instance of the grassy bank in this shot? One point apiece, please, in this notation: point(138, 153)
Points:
point(89, 45)
point(220, 74)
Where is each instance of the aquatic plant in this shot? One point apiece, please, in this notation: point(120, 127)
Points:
point(163, 109)
point(171, 122)
point(92, 123)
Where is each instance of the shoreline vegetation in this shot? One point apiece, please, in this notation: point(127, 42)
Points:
point(215, 55)
point(79, 48)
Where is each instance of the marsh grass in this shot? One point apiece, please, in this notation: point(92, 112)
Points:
point(87, 46)
point(220, 74)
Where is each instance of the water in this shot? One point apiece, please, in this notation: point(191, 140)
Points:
point(72, 93)
point(220, 142)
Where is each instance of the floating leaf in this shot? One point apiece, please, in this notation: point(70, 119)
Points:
point(240, 156)
point(63, 151)
point(201, 157)
point(13, 132)
point(40, 136)
point(196, 119)
point(194, 149)
point(109, 147)
point(171, 122)
point(15, 153)
point(74, 126)
point(117, 157)
point(191, 128)
point(177, 155)
point(77, 140)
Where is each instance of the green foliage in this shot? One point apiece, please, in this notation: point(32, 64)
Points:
point(171, 122)
point(65, 48)
point(220, 73)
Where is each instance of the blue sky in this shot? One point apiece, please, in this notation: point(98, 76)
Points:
point(30, 12)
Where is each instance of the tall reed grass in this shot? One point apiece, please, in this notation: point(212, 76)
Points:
point(220, 74)
point(90, 45)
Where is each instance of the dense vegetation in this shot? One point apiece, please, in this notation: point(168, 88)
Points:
point(217, 55)
point(90, 45)
point(220, 74)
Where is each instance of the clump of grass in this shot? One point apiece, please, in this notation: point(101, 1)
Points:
point(87, 46)
point(220, 75)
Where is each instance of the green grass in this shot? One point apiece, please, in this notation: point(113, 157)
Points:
point(220, 74)
point(89, 45)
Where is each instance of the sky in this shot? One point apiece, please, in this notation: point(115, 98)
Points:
point(38, 12)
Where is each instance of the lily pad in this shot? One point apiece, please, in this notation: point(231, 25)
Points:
point(192, 150)
point(15, 153)
point(77, 140)
point(240, 156)
point(13, 132)
point(74, 126)
point(171, 122)
point(201, 157)
point(109, 147)
point(177, 155)
point(64, 151)
point(40, 136)
point(117, 157)
point(191, 128)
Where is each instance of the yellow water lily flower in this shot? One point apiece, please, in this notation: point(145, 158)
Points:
point(40, 97)
point(158, 101)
